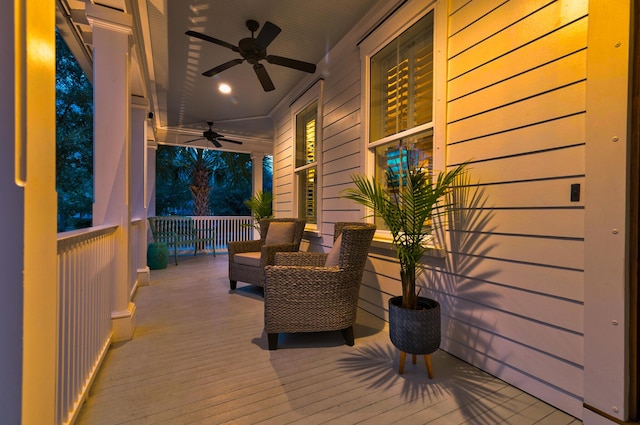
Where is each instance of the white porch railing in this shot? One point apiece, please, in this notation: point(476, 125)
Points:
point(86, 272)
point(224, 229)
point(85, 275)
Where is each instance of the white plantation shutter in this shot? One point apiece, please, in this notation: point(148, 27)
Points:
point(402, 82)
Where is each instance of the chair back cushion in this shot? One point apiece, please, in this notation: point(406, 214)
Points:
point(279, 233)
point(248, 258)
point(333, 259)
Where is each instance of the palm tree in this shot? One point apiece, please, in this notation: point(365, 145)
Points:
point(200, 176)
point(181, 168)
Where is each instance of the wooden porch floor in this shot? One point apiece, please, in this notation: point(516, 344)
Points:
point(199, 356)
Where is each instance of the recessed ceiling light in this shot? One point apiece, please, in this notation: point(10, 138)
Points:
point(224, 88)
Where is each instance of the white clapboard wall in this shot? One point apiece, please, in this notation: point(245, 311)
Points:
point(511, 285)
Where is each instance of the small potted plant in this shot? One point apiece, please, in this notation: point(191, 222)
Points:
point(410, 206)
point(260, 205)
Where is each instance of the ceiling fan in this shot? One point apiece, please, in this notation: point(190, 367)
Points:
point(253, 50)
point(214, 137)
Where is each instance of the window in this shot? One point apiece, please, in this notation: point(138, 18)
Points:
point(402, 82)
point(307, 119)
point(307, 162)
point(400, 101)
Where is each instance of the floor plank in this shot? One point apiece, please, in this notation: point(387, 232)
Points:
point(199, 356)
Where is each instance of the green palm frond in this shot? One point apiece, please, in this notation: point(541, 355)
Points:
point(409, 210)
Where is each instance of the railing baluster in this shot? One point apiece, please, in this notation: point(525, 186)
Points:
point(223, 229)
point(84, 273)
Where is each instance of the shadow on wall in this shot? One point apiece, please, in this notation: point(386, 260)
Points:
point(453, 281)
point(457, 280)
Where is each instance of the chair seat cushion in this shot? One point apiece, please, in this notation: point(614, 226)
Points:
point(333, 259)
point(279, 233)
point(247, 258)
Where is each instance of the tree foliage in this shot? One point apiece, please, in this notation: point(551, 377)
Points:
point(189, 181)
point(186, 177)
point(74, 141)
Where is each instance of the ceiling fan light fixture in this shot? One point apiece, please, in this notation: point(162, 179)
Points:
point(214, 137)
point(224, 88)
point(254, 49)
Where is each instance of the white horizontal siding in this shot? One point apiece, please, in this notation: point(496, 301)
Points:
point(341, 147)
point(512, 286)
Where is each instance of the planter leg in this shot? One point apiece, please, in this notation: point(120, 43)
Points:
point(403, 356)
point(427, 361)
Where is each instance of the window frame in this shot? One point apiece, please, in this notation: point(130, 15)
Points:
point(313, 94)
point(386, 33)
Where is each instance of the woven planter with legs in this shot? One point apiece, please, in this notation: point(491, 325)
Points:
point(416, 332)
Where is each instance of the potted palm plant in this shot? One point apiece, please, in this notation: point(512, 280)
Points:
point(410, 205)
point(260, 205)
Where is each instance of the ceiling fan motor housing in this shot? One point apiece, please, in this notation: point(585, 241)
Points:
point(253, 50)
point(250, 51)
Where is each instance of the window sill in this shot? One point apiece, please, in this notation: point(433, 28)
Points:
point(432, 250)
point(312, 233)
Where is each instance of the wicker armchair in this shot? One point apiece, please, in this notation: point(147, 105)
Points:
point(247, 259)
point(312, 291)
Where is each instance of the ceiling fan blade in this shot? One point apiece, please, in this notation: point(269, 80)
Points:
point(212, 40)
point(218, 69)
point(291, 63)
point(194, 140)
point(268, 32)
point(215, 143)
point(263, 76)
point(229, 140)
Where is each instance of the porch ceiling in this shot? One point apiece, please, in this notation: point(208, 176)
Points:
point(169, 64)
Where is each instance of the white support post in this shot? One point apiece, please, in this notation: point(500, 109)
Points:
point(28, 250)
point(139, 112)
point(606, 310)
point(112, 154)
point(150, 195)
point(256, 171)
point(256, 180)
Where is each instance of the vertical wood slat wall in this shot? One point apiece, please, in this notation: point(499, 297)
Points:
point(513, 288)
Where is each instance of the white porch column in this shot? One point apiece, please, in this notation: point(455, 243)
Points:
point(139, 112)
point(256, 171)
point(112, 151)
point(27, 307)
point(150, 195)
point(256, 179)
point(28, 247)
point(12, 244)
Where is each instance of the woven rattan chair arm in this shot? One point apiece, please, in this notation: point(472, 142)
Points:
point(300, 259)
point(307, 277)
point(244, 246)
point(268, 256)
